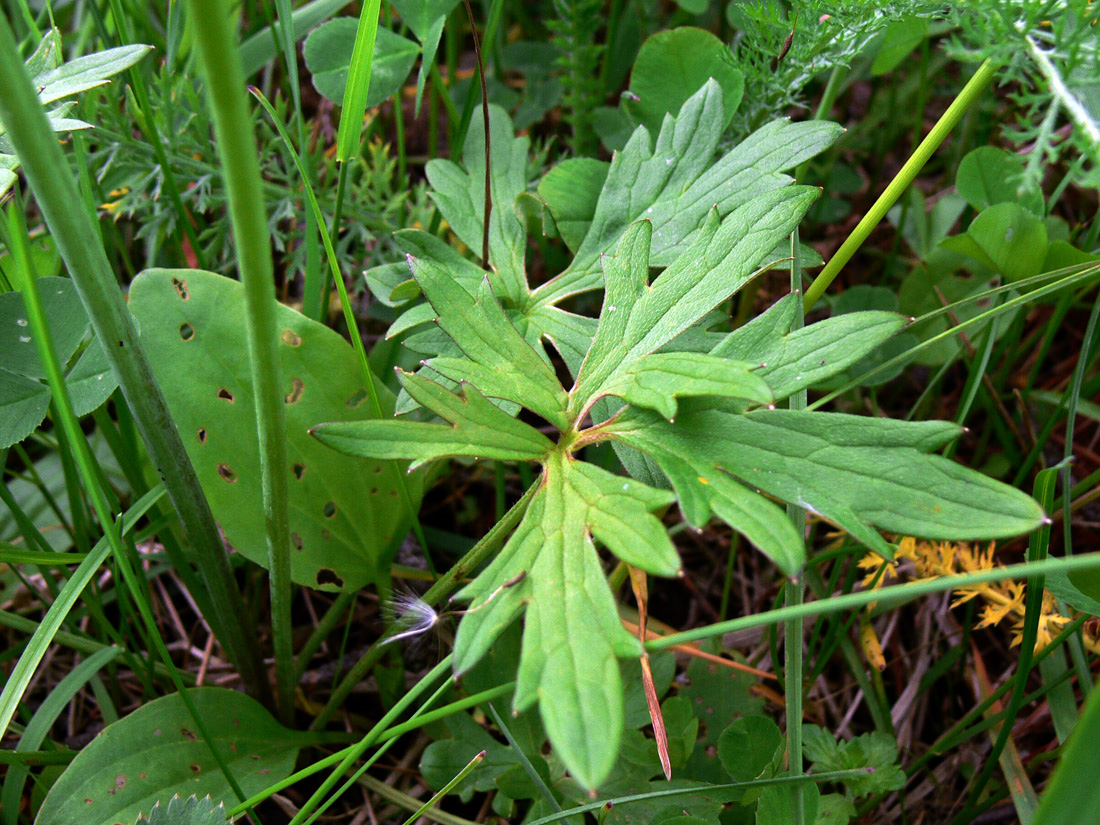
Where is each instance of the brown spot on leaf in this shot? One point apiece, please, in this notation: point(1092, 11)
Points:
point(299, 471)
point(329, 509)
point(357, 399)
point(188, 735)
point(187, 332)
point(296, 389)
point(227, 474)
point(202, 435)
point(327, 576)
point(225, 395)
point(296, 540)
point(291, 338)
point(181, 289)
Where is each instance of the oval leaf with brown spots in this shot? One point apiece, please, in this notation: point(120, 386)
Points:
point(346, 514)
point(157, 752)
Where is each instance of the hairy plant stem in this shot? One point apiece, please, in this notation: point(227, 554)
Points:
point(905, 176)
point(793, 627)
point(81, 248)
point(236, 144)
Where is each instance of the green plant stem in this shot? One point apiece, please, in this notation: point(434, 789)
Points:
point(369, 739)
point(369, 381)
point(1033, 608)
point(415, 722)
point(82, 250)
point(902, 180)
point(446, 789)
point(885, 596)
point(793, 629)
point(221, 65)
point(444, 586)
point(828, 776)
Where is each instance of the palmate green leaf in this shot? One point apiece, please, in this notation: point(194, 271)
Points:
point(790, 361)
point(702, 488)
point(498, 359)
point(156, 753)
point(23, 405)
point(636, 321)
point(328, 51)
point(657, 380)
point(426, 19)
point(459, 192)
point(572, 631)
point(674, 184)
point(852, 470)
point(477, 428)
point(68, 323)
point(345, 518)
point(877, 751)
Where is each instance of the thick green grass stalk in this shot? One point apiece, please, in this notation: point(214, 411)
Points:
point(894, 190)
point(82, 250)
point(227, 99)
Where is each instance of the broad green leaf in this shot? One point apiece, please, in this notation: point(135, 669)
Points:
point(459, 192)
point(262, 47)
point(91, 380)
point(572, 633)
point(776, 804)
point(1072, 796)
point(571, 335)
point(87, 72)
point(426, 18)
point(190, 811)
point(898, 40)
point(65, 316)
point(328, 51)
point(790, 361)
point(346, 517)
point(721, 259)
point(501, 363)
point(1080, 590)
point(702, 488)
point(23, 405)
point(747, 747)
point(1005, 238)
point(156, 753)
point(988, 176)
point(674, 64)
point(877, 751)
point(853, 471)
point(477, 428)
point(657, 380)
point(571, 191)
point(674, 184)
